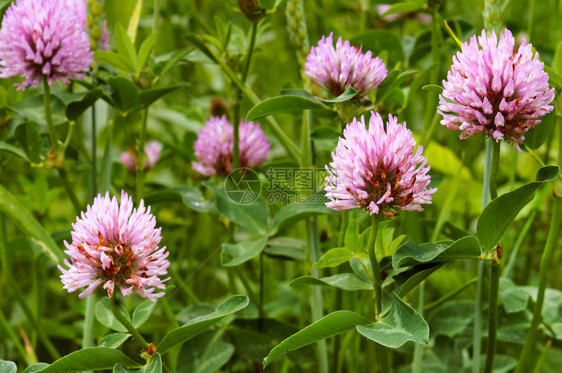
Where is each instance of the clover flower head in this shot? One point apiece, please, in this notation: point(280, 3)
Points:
point(152, 151)
point(378, 170)
point(214, 146)
point(495, 90)
point(343, 66)
point(44, 39)
point(116, 245)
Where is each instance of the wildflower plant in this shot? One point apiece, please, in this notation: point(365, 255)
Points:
point(285, 187)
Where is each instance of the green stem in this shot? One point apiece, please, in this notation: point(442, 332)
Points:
point(494, 170)
point(433, 76)
point(477, 330)
point(139, 172)
point(286, 141)
point(493, 316)
point(546, 260)
point(495, 270)
point(262, 289)
point(542, 359)
point(418, 348)
point(531, 16)
point(316, 301)
point(449, 295)
point(236, 108)
point(69, 190)
point(94, 154)
point(508, 270)
point(126, 323)
point(377, 285)
point(49, 118)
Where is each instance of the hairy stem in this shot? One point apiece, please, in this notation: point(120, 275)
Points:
point(126, 323)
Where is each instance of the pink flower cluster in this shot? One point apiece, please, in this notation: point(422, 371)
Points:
point(381, 171)
point(344, 66)
point(495, 90)
point(44, 38)
point(152, 151)
point(214, 146)
point(115, 245)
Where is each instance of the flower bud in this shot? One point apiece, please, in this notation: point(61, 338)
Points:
point(251, 9)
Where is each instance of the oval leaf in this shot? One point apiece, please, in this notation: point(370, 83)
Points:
point(142, 313)
point(333, 258)
point(206, 353)
point(154, 366)
point(12, 207)
point(400, 325)
point(411, 254)
point(282, 104)
point(90, 359)
point(328, 326)
point(114, 340)
point(344, 281)
point(295, 211)
point(8, 366)
point(500, 213)
point(197, 325)
point(347, 95)
point(236, 254)
point(189, 196)
point(105, 315)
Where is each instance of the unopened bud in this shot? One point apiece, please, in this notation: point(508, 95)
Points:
point(95, 9)
point(251, 9)
point(218, 107)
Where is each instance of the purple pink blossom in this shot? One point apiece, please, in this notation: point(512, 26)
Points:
point(381, 171)
point(344, 66)
point(115, 245)
point(214, 146)
point(44, 38)
point(152, 151)
point(495, 90)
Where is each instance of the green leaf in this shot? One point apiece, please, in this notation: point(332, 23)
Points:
point(115, 60)
point(12, 207)
point(105, 315)
point(142, 313)
point(144, 51)
point(344, 281)
point(285, 248)
point(391, 82)
point(4, 146)
point(161, 67)
point(124, 94)
point(77, 103)
point(90, 359)
point(328, 326)
point(381, 40)
point(252, 216)
point(114, 340)
point(189, 196)
point(282, 104)
point(8, 367)
point(206, 353)
point(201, 44)
point(148, 97)
point(408, 280)
point(238, 253)
point(451, 318)
point(405, 7)
point(154, 366)
point(347, 95)
point(33, 109)
point(500, 213)
point(558, 58)
point(197, 325)
point(513, 298)
point(400, 325)
point(433, 88)
point(125, 48)
point(411, 254)
point(333, 258)
point(290, 213)
point(30, 140)
point(35, 367)
point(352, 239)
